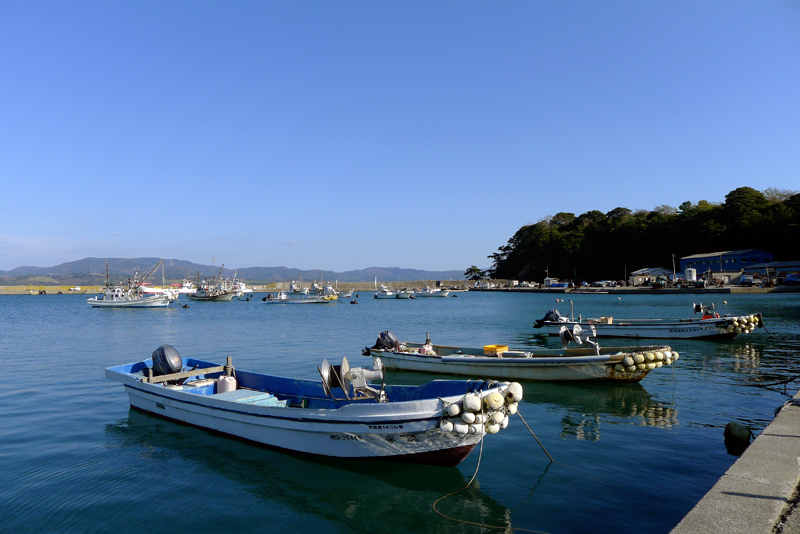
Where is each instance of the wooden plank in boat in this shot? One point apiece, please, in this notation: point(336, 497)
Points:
point(185, 374)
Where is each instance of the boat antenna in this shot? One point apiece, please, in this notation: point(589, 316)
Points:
point(106, 273)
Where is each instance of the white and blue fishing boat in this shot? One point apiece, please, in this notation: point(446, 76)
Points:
point(710, 325)
point(341, 415)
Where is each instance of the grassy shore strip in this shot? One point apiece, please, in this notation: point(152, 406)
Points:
point(759, 493)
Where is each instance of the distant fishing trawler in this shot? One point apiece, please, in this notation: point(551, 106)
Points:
point(218, 289)
point(132, 296)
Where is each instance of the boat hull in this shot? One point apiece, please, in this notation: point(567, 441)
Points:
point(556, 369)
point(705, 329)
point(221, 297)
point(155, 301)
point(441, 458)
point(300, 300)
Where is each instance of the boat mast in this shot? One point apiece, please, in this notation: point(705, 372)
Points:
point(147, 274)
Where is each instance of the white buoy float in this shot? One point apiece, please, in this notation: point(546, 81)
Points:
point(513, 392)
point(493, 400)
point(471, 403)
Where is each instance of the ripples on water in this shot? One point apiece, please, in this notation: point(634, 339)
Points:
point(629, 457)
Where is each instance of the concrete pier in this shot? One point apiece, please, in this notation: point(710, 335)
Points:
point(759, 493)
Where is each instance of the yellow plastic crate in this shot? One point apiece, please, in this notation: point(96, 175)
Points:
point(491, 350)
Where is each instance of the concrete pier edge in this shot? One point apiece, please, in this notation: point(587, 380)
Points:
point(759, 493)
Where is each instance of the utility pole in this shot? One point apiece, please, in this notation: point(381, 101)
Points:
point(673, 267)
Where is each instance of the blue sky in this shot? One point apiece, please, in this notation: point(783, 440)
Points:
point(344, 135)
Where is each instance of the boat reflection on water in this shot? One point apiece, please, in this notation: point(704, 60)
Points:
point(587, 405)
point(293, 491)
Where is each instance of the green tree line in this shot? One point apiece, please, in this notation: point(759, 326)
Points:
point(597, 245)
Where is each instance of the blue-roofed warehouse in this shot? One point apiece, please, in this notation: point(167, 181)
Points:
point(728, 260)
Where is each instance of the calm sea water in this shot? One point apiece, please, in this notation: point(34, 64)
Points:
point(628, 458)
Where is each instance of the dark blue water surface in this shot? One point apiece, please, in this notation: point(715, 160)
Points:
point(628, 457)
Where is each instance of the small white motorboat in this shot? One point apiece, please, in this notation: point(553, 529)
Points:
point(428, 291)
point(586, 361)
point(385, 293)
point(186, 287)
point(340, 416)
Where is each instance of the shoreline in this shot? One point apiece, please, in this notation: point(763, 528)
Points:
point(368, 286)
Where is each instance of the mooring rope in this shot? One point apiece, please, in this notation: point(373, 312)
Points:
point(484, 525)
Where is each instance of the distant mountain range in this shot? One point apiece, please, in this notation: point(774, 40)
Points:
point(179, 269)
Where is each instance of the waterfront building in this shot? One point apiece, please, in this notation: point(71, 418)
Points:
point(726, 261)
point(648, 274)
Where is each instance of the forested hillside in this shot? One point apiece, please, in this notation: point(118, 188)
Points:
point(597, 245)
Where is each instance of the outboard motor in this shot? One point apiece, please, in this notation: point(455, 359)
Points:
point(386, 341)
point(552, 316)
point(166, 361)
